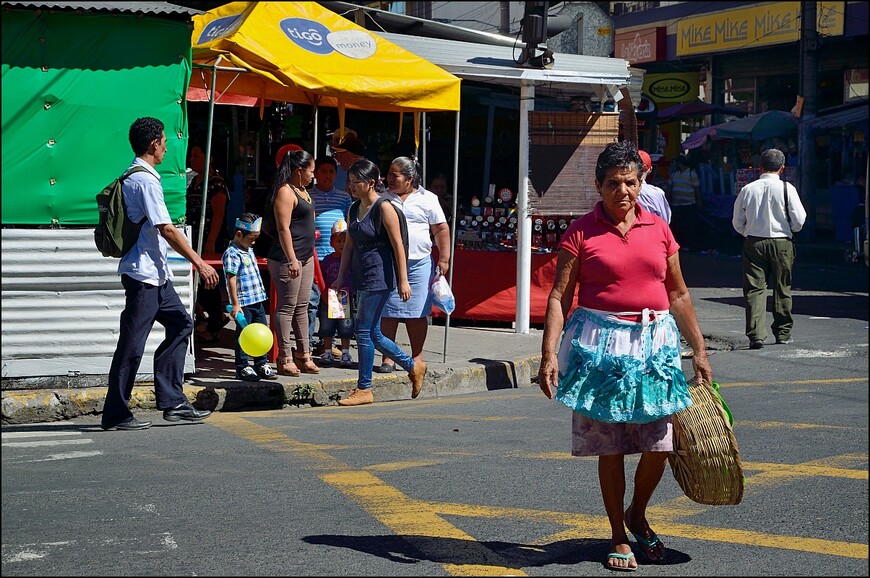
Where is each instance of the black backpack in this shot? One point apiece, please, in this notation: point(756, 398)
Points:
point(376, 218)
point(115, 233)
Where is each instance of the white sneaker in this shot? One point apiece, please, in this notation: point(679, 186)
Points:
point(346, 361)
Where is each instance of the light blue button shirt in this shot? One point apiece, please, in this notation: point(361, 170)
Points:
point(143, 195)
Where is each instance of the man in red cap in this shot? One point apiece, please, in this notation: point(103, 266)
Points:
point(651, 197)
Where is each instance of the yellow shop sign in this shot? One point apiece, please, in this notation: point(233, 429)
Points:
point(771, 23)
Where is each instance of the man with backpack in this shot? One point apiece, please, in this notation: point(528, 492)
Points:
point(150, 295)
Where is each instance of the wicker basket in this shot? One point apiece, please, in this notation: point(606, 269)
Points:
point(706, 460)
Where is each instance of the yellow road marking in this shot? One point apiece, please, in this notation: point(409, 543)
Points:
point(794, 470)
point(796, 382)
point(396, 466)
point(406, 516)
point(784, 425)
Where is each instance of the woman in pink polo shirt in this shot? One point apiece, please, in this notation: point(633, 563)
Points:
point(617, 362)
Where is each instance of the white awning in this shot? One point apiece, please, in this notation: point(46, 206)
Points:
point(571, 75)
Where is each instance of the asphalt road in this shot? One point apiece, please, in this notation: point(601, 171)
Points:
point(477, 484)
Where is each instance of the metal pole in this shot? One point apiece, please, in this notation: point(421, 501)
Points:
point(206, 168)
point(316, 129)
point(452, 225)
point(524, 217)
point(809, 60)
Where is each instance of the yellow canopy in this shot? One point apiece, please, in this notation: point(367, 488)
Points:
point(301, 52)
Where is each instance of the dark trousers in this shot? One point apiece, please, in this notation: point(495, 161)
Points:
point(146, 304)
point(254, 313)
point(763, 258)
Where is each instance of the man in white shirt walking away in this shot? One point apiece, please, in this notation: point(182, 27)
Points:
point(767, 212)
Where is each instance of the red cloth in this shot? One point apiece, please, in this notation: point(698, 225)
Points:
point(485, 285)
point(318, 274)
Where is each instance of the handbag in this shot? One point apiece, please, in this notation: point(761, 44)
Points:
point(442, 295)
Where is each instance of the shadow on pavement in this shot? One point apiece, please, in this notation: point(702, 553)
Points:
point(835, 306)
point(414, 549)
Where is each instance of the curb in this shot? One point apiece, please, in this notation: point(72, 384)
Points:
point(29, 406)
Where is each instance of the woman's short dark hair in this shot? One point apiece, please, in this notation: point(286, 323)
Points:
point(143, 132)
point(621, 154)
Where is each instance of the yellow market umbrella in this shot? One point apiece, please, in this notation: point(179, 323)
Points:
point(302, 52)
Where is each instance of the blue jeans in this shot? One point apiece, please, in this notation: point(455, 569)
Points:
point(369, 306)
point(313, 304)
point(254, 313)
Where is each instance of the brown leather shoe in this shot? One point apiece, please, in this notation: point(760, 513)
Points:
point(416, 376)
point(358, 397)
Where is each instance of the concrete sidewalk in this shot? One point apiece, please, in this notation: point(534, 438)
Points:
point(478, 357)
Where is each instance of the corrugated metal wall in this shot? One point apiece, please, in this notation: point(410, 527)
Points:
point(62, 302)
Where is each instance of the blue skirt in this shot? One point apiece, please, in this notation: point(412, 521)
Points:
point(421, 272)
point(618, 371)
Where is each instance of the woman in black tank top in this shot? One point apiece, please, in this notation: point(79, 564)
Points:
point(291, 261)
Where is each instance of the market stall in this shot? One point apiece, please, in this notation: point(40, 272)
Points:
point(301, 52)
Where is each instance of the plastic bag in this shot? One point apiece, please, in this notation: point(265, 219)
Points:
point(337, 304)
point(442, 295)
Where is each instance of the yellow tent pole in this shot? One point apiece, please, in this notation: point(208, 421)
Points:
point(401, 120)
point(416, 132)
point(341, 119)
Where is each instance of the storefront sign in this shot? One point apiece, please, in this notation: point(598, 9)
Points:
point(771, 23)
point(647, 45)
point(671, 88)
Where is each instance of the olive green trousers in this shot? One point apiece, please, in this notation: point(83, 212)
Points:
point(765, 259)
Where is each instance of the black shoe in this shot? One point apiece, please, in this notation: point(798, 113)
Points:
point(131, 423)
point(756, 344)
point(185, 411)
point(386, 368)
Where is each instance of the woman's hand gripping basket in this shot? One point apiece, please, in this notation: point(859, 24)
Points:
point(706, 460)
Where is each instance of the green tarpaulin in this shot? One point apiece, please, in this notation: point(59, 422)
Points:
point(72, 84)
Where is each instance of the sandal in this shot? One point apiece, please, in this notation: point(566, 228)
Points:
point(618, 556)
point(306, 364)
point(287, 367)
point(653, 549)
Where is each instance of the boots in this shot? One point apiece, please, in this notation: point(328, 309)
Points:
point(358, 397)
point(416, 376)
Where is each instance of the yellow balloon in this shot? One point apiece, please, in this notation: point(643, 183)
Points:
point(256, 339)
